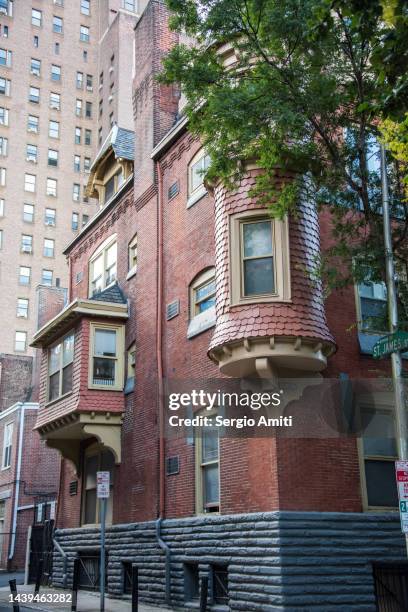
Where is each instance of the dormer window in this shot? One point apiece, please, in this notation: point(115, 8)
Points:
point(103, 266)
point(112, 185)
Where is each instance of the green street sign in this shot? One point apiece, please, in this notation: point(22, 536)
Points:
point(398, 341)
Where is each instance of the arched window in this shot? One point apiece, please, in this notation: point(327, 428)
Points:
point(96, 459)
point(103, 266)
point(196, 171)
point(202, 303)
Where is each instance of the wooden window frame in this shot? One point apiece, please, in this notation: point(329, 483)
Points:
point(199, 465)
point(102, 251)
point(61, 368)
point(195, 194)
point(119, 358)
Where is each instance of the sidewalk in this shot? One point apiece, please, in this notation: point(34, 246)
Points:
point(87, 601)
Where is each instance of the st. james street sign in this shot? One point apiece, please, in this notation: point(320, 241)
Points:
point(398, 341)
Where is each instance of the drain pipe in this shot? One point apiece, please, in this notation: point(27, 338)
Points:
point(160, 389)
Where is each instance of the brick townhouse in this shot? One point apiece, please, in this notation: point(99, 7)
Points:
point(172, 282)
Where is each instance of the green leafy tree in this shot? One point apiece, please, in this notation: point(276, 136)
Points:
point(310, 83)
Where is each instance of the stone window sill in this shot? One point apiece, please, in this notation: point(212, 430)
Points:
point(195, 197)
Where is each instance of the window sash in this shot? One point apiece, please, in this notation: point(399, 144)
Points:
point(257, 258)
point(60, 368)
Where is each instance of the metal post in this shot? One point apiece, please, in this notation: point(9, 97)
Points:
point(135, 588)
point(13, 589)
point(75, 582)
point(39, 576)
point(204, 594)
point(102, 560)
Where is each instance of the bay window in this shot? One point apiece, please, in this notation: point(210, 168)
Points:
point(60, 363)
point(106, 357)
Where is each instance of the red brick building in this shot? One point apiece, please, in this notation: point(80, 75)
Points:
point(173, 288)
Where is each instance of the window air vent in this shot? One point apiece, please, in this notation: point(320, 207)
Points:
point(73, 487)
point(174, 189)
point(173, 465)
point(173, 309)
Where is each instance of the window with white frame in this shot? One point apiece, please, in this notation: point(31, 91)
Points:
point(50, 216)
point(202, 303)
point(79, 80)
point(55, 72)
point(36, 18)
point(89, 82)
point(207, 457)
point(87, 164)
point(4, 116)
point(77, 163)
point(84, 33)
point(2, 207)
point(3, 176)
point(88, 110)
point(5, 57)
point(20, 342)
point(133, 256)
point(22, 308)
point(52, 157)
point(130, 5)
point(32, 153)
point(49, 247)
point(6, 7)
point(26, 243)
point(53, 129)
point(28, 213)
point(51, 189)
point(24, 277)
point(88, 137)
point(34, 95)
point(96, 459)
point(103, 266)
point(35, 66)
point(85, 7)
point(76, 192)
point(5, 85)
point(46, 277)
point(78, 107)
point(60, 363)
point(30, 181)
point(55, 101)
point(107, 347)
point(196, 171)
point(3, 146)
point(78, 135)
point(7, 445)
point(32, 124)
point(75, 221)
point(259, 260)
point(57, 24)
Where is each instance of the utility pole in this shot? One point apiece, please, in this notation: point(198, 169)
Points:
point(396, 360)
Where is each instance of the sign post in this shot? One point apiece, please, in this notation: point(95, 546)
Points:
point(102, 491)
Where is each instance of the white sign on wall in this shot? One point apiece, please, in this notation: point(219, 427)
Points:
point(102, 484)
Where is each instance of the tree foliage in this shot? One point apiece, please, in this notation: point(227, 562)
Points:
point(314, 85)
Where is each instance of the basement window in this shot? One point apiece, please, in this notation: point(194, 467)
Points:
point(191, 582)
point(220, 584)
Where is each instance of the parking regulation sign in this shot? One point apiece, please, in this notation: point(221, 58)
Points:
point(401, 471)
point(102, 484)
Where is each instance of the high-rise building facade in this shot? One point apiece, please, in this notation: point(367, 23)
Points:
point(61, 67)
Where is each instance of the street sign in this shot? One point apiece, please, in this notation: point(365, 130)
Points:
point(401, 471)
point(102, 484)
point(398, 341)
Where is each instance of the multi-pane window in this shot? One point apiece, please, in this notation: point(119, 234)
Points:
point(196, 172)
point(52, 157)
point(106, 356)
point(79, 80)
point(207, 470)
point(5, 86)
point(36, 18)
point(4, 116)
point(88, 109)
point(26, 243)
point(85, 7)
point(55, 101)
point(130, 5)
point(32, 124)
point(51, 189)
point(53, 129)
point(3, 146)
point(5, 57)
point(46, 277)
point(373, 307)
point(203, 293)
point(60, 361)
point(78, 107)
point(75, 221)
point(77, 163)
point(133, 255)
point(78, 135)
point(55, 72)
point(59, 2)
point(34, 95)
point(96, 460)
point(57, 24)
point(24, 276)
point(30, 182)
point(21, 337)
point(3, 176)
point(28, 213)
point(32, 153)
point(6, 7)
point(48, 250)
point(22, 308)
point(103, 267)
point(49, 218)
point(87, 164)
point(1, 207)
point(257, 257)
point(84, 33)
point(76, 190)
point(89, 82)
point(35, 66)
point(88, 137)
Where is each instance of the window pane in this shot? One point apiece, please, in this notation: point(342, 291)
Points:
point(91, 467)
point(378, 433)
point(67, 379)
point(381, 485)
point(68, 349)
point(257, 239)
point(211, 484)
point(373, 314)
point(258, 276)
point(209, 444)
point(55, 353)
point(103, 371)
point(90, 506)
point(105, 342)
point(54, 386)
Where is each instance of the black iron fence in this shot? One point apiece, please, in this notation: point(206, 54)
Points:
point(391, 586)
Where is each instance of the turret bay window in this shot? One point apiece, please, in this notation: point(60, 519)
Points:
point(96, 459)
point(60, 362)
point(196, 171)
point(259, 258)
point(103, 267)
point(106, 359)
point(207, 470)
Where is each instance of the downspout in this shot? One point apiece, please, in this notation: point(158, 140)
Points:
point(18, 476)
point(159, 354)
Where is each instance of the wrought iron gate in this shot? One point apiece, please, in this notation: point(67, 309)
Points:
point(89, 574)
point(391, 586)
point(41, 548)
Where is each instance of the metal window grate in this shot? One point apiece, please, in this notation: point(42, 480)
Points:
point(73, 487)
point(173, 465)
point(173, 309)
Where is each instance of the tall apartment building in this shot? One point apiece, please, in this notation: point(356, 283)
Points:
point(61, 67)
